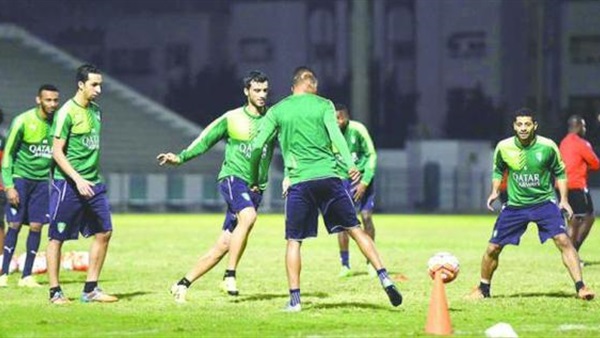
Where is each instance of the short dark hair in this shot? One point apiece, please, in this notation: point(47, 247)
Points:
point(84, 71)
point(304, 73)
point(342, 107)
point(48, 87)
point(255, 76)
point(524, 112)
point(575, 119)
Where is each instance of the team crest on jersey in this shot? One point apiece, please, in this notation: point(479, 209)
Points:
point(538, 155)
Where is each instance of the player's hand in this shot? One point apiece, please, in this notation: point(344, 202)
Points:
point(13, 197)
point(168, 158)
point(254, 188)
point(84, 187)
point(359, 191)
point(493, 196)
point(354, 175)
point(565, 207)
point(285, 184)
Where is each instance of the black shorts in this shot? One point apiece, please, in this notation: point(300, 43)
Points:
point(581, 202)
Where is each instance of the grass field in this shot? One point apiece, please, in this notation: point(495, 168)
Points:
point(531, 289)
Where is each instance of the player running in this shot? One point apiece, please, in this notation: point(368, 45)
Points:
point(25, 172)
point(237, 127)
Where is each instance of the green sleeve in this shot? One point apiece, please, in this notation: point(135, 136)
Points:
point(556, 163)
point(337, 139)
point(213, 133)
point(62, 124)
point(15, 135)
point(370, 154)
point(266, 133)
point(499, 165)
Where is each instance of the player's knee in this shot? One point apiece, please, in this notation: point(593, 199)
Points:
point(247, 217)
point(35, 227)
point(16, 226)
point(367, 217)
point(104, 236)
point(563, 241)
point(493, 250)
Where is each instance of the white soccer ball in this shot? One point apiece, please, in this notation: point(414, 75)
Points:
point(446, 263)
point(81, 260)
point(12, 266)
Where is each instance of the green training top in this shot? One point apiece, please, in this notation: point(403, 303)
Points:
point(28, 149)
point(530, 169)
point(308, 131)
point(238, 127)
point(80, 128)
point(362, 150)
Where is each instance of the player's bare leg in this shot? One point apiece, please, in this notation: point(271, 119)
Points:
point(367, 221)
point(367, 247)
point(576, 227)
point(239, 238)
point(293, 265)
point(570, 259)
point(98, 251)
point(489, 264)
point(53, 260)
point(584, 231)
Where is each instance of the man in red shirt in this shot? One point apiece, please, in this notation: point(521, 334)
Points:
point(579, 157)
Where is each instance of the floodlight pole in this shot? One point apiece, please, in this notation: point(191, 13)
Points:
point(360, 54)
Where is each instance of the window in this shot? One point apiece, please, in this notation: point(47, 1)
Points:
point(467, 45)
point(584, 49)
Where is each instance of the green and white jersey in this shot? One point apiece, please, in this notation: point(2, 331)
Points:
point(308, 132)
point(530, 169)
point(237, 127)
point(28, 149)
point(80, 128)
point(361, 149)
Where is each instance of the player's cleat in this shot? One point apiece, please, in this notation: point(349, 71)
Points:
point(289, 308)
point(585, 293)
point(371, 271)
point(476, 294)
point(3, 281)
point(29, 282)
point(97, 295)
point(229, 286)
point(59, 298)
point(345, 272)
point(178, 292)
point(392, 292)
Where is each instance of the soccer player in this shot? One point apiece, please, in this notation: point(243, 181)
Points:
point(237, 127)
point(531, 161)
point(364, 156)
point(78, 200)
point(307, 132)
point(25, 171)
point(579, 157)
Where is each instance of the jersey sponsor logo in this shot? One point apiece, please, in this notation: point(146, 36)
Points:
point(246, 150)
point(527, 180)
point(92, 142)
point(41, 150)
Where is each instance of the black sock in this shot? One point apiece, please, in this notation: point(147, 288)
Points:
point(229, 273)
point(54, 290)
point(90, 286)
point(579, 285)
point(485, 289)
point(185, 282)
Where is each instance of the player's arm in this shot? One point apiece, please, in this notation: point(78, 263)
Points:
point(557, 166)
point(213, 133)
point(370, 154)
point(62, 126)
point(338, 141)
point(266, 132)
point(589, 156)
point(499, 167)
point(15, 135)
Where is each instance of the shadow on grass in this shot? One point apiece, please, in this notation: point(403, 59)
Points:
point(347, 305)
point(124, 296)
point(269, 296)
point(560, 294)
point(588, 263)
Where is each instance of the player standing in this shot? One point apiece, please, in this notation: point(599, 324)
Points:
point(531, 161)
point(25, 172)
point(78, 200)
point(364, 156)
point(237, 127)
point(579, 157)
point(307, 131)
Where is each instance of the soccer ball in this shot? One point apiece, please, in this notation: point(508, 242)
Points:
point(81, 260)
point(446, 263)
point(66, 261)
point(12, 266)
point(39, 263)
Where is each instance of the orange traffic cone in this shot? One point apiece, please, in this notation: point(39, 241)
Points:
point(438, 319)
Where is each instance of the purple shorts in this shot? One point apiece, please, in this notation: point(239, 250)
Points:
point(512, 223)
point(367, 201)
point(33, 202)
point(238, 197)
point(304, 201)
point(71, 214)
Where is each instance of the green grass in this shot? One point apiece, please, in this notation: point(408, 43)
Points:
point(532, 290)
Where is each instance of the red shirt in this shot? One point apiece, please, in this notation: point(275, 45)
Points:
point(579, 157)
